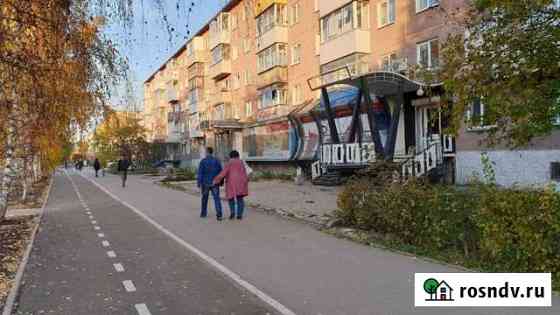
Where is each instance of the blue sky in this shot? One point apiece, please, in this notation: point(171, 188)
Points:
point(147, 42)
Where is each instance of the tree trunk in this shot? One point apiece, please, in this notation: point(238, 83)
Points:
point(8, 172)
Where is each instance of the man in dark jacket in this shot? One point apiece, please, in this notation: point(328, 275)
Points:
point(96, 166)
point(122, 167)
point(209, 168)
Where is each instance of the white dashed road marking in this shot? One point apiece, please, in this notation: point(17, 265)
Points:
point(96, 228)
point(142, 309)
point(118, 267)
point(105, 243)
point(101, 235)
point(111, 254)
point(93, 222)
point(129, 286)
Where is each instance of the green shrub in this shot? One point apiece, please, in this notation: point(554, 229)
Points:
point(508, 230)
point(520, 230)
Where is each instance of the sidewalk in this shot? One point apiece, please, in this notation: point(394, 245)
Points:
point(306, 270)
point(313, 204)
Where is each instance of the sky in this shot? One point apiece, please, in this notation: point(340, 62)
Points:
point(147, 42)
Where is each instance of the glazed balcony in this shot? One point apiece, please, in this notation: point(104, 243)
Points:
point(220, 97)
point(351, 42)
point(278, 74)
point(277, 34)
point(195, 70)
point(220, 70)
point(262, 5)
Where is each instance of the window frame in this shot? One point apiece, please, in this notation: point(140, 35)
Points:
point(430, 62)
point(342, 20)
point(481, 126)
point(272, 57)
point(248, 109)
point(429, 4)
point(387, 12)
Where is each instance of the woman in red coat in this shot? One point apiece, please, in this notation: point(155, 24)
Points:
point(237, 184)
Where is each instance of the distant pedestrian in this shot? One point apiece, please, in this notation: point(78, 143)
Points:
point(122, 167)
point(237, 184)
point(208, 169)
point(96, 166)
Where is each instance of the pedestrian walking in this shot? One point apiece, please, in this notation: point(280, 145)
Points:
point(122, 167)
point(237, 184)
point(208, 169)
point(96, 166)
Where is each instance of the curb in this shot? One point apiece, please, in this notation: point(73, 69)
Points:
point(10, 300)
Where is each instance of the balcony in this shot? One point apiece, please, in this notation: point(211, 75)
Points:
point(198, 56)
point(327, 6)
point(196, 83)
point(351, 42)
point(223, 37)
point(277, 34)
point(262, 5)
point(219, 30)
point(220, 70)
point(224, 117)
point(278, 74)
point(172, 95)
point(195, 70)
point(220, 97)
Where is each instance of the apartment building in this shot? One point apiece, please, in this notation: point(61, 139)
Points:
point(277, 81)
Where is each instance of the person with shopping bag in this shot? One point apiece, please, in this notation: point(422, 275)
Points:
point(237, 184)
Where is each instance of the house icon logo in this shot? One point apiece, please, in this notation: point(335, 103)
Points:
point(438, 290)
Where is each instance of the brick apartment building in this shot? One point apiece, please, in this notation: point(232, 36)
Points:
point(248, 81)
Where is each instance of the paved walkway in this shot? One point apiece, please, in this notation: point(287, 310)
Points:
point(93, 256)
point(309, 202)
point(300, 267)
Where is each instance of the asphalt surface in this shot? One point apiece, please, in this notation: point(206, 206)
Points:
point(305, 270)
point(71, 271)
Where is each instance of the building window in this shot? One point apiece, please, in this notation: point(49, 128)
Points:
point(422, 5)
point(272, 96)
point(427, 53)
point(234, 21)
point(297, 96)
point(477, 116)
point(275, 55)
point(219, 112)
point(555, 171)
point(295, 13)
point(246, 45)
point(219, 53)
point(386, 13)
point(226, 85)
point(387, 62)
point(248, 109)
point(219, 25)
point(351, 16)
point(296, 54)
point(236, 81)
point(275, 15)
